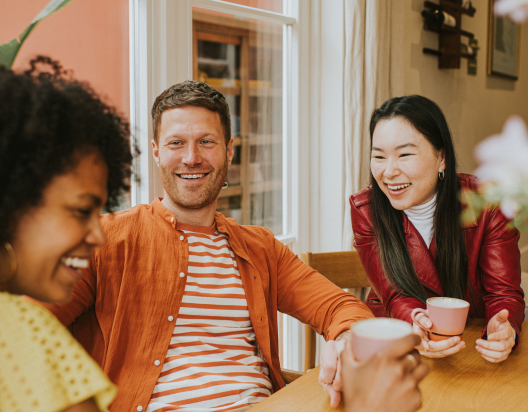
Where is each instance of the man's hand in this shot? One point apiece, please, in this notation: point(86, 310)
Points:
point(386, 382)
point(501, 338)
point(329, 372)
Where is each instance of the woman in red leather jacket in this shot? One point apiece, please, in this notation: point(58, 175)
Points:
point(409, 236)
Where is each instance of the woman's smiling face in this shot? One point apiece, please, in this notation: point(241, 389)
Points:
point(53, 240)
point(404, 164)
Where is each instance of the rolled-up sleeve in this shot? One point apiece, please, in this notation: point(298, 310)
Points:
point(311, 298)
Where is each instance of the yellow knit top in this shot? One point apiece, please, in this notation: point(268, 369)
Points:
point(42, 367)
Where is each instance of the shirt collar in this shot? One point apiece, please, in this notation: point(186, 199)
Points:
point(229, 227)
point(232, 229)
point(162, 211)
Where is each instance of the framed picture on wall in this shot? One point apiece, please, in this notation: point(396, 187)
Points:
point(503, 45)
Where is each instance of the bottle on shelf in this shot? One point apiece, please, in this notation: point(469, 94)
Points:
point(435, 17)
point(467, 49)
point(466, 5)
point(438, 18)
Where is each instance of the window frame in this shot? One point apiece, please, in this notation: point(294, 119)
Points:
point(160, 34)
point(156, 47)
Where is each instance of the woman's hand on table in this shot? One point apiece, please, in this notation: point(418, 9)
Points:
point(432, 349)
point(387, 382)
point(501, 338)
point(330, 370)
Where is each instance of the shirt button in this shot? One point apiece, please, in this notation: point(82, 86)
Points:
point(139, 408)
point(157, 362)
point(172, 220)
point(171, 318)
point(182, 274)
point(182, 237)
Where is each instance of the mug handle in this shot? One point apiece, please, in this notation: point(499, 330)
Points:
point(413, 317)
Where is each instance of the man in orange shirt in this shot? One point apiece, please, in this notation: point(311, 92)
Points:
point(180, 307)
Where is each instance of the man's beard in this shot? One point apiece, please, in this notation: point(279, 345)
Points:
point(206, 195)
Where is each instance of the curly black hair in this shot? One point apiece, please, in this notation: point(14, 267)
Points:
point(48, 121)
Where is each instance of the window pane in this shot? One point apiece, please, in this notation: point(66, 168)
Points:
point(269, 5)
point(242, 59)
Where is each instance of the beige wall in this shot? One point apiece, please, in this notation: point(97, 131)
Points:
point(475, 106)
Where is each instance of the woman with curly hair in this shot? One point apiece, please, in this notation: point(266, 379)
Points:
point(412, 243)
point(64, 154)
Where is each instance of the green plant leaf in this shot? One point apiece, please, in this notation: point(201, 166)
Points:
point(9, 50)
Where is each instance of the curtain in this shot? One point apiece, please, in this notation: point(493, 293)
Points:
point(373, 73)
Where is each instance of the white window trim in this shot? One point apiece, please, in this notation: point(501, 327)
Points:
point(156, 64)
point(244, 11)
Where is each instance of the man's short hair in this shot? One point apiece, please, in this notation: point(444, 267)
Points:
point(191, 93)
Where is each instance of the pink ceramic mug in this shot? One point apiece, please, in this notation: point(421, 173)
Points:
point(372, 335)
point(448, 316)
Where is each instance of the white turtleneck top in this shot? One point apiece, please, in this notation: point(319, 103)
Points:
point(422, 218)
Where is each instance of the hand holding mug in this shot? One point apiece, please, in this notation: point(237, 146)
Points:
point(434, 349)
point(501, 338)
point(368, 337)
point(385, 382)
point(441, 326)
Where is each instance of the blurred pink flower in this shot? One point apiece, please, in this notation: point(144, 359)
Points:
point(503, 162)
point(516, 9)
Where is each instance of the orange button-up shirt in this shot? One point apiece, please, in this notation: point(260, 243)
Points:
point(124, 310)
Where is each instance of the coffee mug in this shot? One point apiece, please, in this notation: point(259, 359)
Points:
point(372, 335)
point(448, 316)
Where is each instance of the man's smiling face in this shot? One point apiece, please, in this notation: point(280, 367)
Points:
point(192, 156)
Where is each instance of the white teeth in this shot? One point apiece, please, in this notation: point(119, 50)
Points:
point(193, 176)
point(75, 262)
point(399, 186)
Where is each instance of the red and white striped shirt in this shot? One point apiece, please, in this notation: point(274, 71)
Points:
point(213, 362)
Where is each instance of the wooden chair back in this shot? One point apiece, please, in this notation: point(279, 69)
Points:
point(289, 376)
point(342, 268)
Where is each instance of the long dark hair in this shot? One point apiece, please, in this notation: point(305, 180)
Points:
point(451, 257)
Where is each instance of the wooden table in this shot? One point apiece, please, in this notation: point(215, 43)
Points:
point(458, 383)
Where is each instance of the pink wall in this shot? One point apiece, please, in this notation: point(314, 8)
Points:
point(88, 36)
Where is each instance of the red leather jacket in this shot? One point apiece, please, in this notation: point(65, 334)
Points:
point(493, 263)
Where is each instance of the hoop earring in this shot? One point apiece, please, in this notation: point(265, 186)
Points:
point(225, 185)
point(14, 264)
point(441, 175)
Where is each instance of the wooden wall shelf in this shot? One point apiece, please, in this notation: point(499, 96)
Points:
point(456, 7)
point(449, 38)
